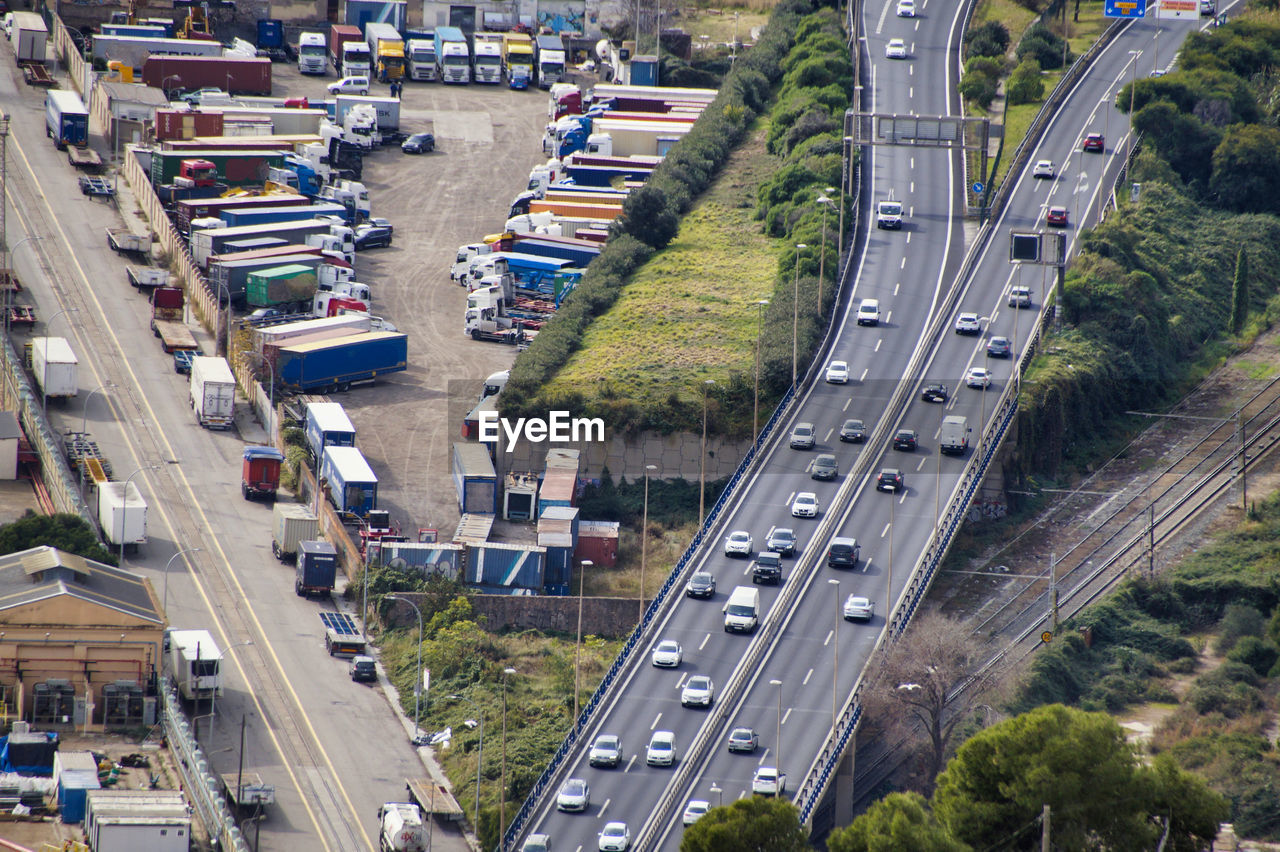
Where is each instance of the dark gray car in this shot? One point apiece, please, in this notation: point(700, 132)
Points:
point(824, 467)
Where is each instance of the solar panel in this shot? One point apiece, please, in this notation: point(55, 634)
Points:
point(340, 623)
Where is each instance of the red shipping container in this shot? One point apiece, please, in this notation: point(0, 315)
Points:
point(186, 124)
point(598, 541)
point(239, 75)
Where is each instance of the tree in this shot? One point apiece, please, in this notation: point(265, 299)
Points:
point(748, 825)
point(1193, 809)
point(1240, 293)
point(900, 822)
point(1025, 84)
point(67, 532)
point(1246, 169)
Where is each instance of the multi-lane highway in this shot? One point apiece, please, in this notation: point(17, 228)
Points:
point(790, 694)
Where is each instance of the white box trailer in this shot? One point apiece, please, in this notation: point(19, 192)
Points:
point(29, 37)
point(213, 392)
point(123, 518)
point(345, 324)
point(195, 663)
point(55, 367)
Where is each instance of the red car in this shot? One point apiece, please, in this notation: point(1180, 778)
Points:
point(1056, 217)
point(1094, 142)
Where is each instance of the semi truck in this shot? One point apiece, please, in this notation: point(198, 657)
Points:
point(327, 425)
point(420, 53)
point(386, 109)
point(55, 367)
point(311, 54)
point(453, 57)
point(166, 320)
point(347, 49)
point(316, 569)
point(487, 64)
point(122, 514)
point(195, 663)
point(341, 362)
point(517, 54)
point(208, 242)
point(66, 120)
point(291, 524)
point(551, 59)
point(290, 287)
point(185, 210)
point(241, 75)
point(387, 48)
point(213, 392)
point(133, 52)
point(260, 472)
point(279, 335)
point(232, 167)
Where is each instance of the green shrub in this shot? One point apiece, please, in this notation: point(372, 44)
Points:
point(1046, 46)
point(1238, 621)
point(989, 39)
point(1258, 654)
point(1025, 84)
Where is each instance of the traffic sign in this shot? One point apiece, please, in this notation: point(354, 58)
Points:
point(1046, 636)
point(1125, 9)
point(977, 187)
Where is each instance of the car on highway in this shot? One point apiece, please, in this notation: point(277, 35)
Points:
point(869, 312)
point(695, 810)
point(805, 505)
point(357, 85)
point(363, 669)
point(743, 741)
point(605, 751)
point(574, 796)
point(906, 8)
point(667, 654)
point(858, 608)
point(661, 750)
point(999, 347)
point(890, 479)
point(824, 467)
point(698, 691)
point(768, 781)
point(739, 543)
point(843, 553)
point(419, 143)
point(701, 585)
point(968, 324)
point(802, 436)
point(615, 837)
point(1056, 217)
point(837, 373)
point(1019, 297)
point(372, 236)
point(1042, 169)
point(782, 541)
point(853, 431)
point(537, 843)
point(978, 377)
point(767, 568)
point(935, 392)
point(895, 49)
point(905, 440)
point(1094, 142)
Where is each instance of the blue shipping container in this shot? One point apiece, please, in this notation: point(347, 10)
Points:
point(270, 33)
point(338, 362)
point(558, 571)
point(268, 215)
point(328, 426)
point(474, 478)
point(430, 559)
point(353, 486)
point(644, 71)
point(505, 566)
point(66, 119)
point(73, 789)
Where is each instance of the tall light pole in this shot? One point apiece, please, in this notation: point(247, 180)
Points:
point(44, 370)
point(84, 421)
point(417, 682)
point(702, 461)
point(479, 755)
point(826, 202)
point(165, 604)
point(835, 670)
point(364, 573)
point(795, 314)
point(1133, 85)
point(777, 733)
point(502, 794)
point(644, 534)
point(223, 288)
point(577, 646)
point(888, 592)
point(755, 409)
point(1082, 187)
point(124, 505)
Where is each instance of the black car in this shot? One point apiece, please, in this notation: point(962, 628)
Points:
point(419, 143)
point(701, 585)
point(853, 432)
point(890, 479)
point(935, 392)
point(373, 236)
point(782, 541)
point(824, 467)
point(905, 439)
point(767, 568)
point(363, 669)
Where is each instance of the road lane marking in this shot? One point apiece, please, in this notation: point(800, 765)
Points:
point(827, 641)
point(679, 683)
point(827, 438)
point(903, 265)
point(705, 640)
point(922, 461)
point(807, 676)
point(655, 721)
point(785, 716)
point(896, 287)
point(630, 763)
point(884, 532)
point(603, 808)
point(878, 342)
point(849, 401)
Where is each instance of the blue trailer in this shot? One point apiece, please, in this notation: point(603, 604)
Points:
point(361, 12)
point(270, 34)
point(66, 120)
point(236, 218)
point(475, 479)
point(328, 426)
point(581, 252)
point(317, 569)
point(335, 364)
point(351, 484)
point(429, 559)
point(506, 568)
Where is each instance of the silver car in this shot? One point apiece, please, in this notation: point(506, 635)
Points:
point(802, 436)
point(858, 608)
point(699, 691)
point(605, 751)
point(695, 810)
point(574, 796)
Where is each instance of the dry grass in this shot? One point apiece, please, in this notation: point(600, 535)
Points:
point(719, 25)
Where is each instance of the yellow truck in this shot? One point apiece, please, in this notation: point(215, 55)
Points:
point(517, 52)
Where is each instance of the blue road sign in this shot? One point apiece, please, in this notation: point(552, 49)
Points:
point(977, 188)
point(1124, 9)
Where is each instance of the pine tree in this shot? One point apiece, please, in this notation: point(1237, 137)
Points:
point(1240, 293)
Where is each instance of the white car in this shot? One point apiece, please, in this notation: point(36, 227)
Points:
point(668, 654)
point(698, 692)
point(695, 810)
point(661, 750)
point(838, 372)
point(906, 8)
point(350, 86)
point(768, 782)
point(605, 751)
point(895, 49)
point(968, 324)
point(616, 837)
point(869, 312)
point(858, 608)
point(537, 843)
point(1019, 297)
point(978, 377)
point(574, 796)
point(1042, 169)
point(739, 543)
point(805, 505)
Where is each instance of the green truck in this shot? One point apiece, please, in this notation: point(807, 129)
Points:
point(235, 168)
point(290, 288)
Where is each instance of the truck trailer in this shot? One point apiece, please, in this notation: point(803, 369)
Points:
point(316, 569)
point(327, 425)
point(122, 516)
point(213, 392)
point(195, 664)
point(279, 335)
point(55, 367)
point(232, 167)
point(341, 35)
point(420, 53)
point(208, 242)
point(335, 365)
point(28, 37)
point(239, 216)
point(260, 472)
point(203, 208)
point(291, 524)
point(350, 483)
point(134, 52)
point(474, 478)
point(167, 307)
point(290, 287)
point(66, 120)
point(453, 56)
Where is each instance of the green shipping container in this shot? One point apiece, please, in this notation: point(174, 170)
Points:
point(235, 168)
point(280, 285)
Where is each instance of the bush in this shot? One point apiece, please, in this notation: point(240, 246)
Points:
point(981, 79)
point(1025, 84)
point(1238, 621)
point(990, 39)
point(1258, 654)
point(1046, 46)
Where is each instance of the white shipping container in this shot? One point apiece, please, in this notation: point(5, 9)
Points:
point(55, 366)
point(123, 519)
point(195, 663)
point(213, 392)
point(278, 334)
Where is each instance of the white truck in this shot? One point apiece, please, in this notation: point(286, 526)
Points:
point(55, 367)
point(28, 35)
point(953, 438)
point(213, 392)
point(420, 53)
point(195, 663)
point(122, 514)
point(487, 59)
point(889, 214)
point(402, 828)
point(312, 54)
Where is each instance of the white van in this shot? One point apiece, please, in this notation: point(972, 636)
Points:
point(953, 438)
point(742, 612)
point(869, 312)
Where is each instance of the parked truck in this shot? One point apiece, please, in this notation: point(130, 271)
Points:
point(387, 48)
point(551, 59)
point(387, 110)
point(66, 120)
point(351, 485)
point(167, 305)
point(401, 828)
point(237, 75)
point(28, 37)
point(327, 425)
point(194, 663)
point(517, 50)
point(213, 392)
point(280, 335)
point(291, 524)
point(270, 39)
point(55, 367)
point(260, 472)
point(474, 478)
point(311, 54)
point(420, 53)
point(453, 57)
point(337, 364)
point(230, 167)
point(202, 208)
point(355, 62)
point(316, 569)
point(122, 514)
point(487, 64)
point(290, 288)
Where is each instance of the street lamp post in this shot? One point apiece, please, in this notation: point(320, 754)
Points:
point(577, 646)
point(795, 314)
point(777, 733)
point(417, 683)
point(826, 203)
point(213, 701)
point(502, 794)
point(364, 574)
point(835, 671)
point(479, 754)
point(888, 592)
point(644, 534)
point(124, 505)
point(223, 288)
point(165, 605)
point(844, 183)
point(84, 421)
point(44, 371)
point(702, 461)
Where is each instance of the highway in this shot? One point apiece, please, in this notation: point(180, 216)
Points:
point(791, 695)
